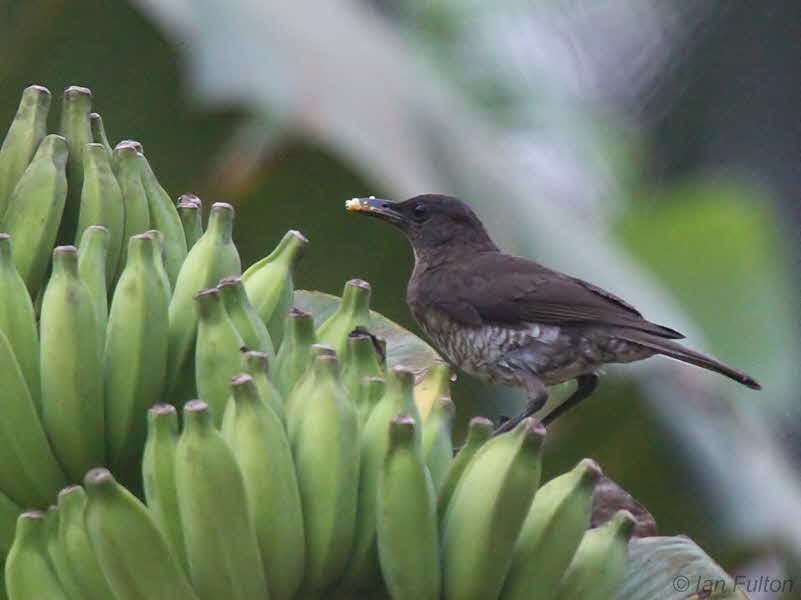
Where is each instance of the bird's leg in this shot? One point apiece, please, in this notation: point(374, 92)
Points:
point(586, 386)
point(537, 396)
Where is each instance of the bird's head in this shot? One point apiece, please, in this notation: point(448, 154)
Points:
point(432, 222)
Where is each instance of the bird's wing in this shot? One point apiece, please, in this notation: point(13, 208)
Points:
point(508, 289)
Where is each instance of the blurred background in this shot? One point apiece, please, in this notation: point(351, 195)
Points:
point(650, 147)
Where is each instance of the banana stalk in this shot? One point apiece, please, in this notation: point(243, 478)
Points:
point(102, 203)
point(92, 254)
point(598, 566)
point(217, 353)
point(553, 529)
point(136, 351)
point(35, 208)
point(132, 553)
point(269, 284)
point(128, 166)
point(158, 474)
point(437, 445)
point(29, 573)
point(221, 544)
point(18, 321)
point(326, 452)
point(479, 430)
point(408, 544)
point(256, 365)
point(24, 135)
point(353, 311)
point(487, 510)
point(294, 354)
point(256, 436)
point(72, 392)
point(190, 210)
point(99, 132)
point(249, 325)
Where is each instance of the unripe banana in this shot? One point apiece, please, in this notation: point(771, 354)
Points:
point(190, 210)
point(359, 361)
point(368, 394)
point(29, 573)
point(76, 105)
point(128, 166)
point(408, 544)
point(102, 204)
point(363, 569)
point(212, 258)
point(72, 391)
point(256, 436)
point(29, 472)
point(553, 529)
point(24, 135)
point(437, 445)
point(217, 353)
point(270, 286)
point(164, 217)
point(165, 280)
point(479, 430)
point(158, 475)
point(598, 566)
point(58, 559)
point(436, 384)
point(9, 511)
point(92, 254)
point(18, 321)
point(326, 452)
point(136, 351)
point(34, 211)
point(76, 547)
point(221, 545)
point(297, 402)
point(294, 354)
point(132, 553)
point(487, 510)
point(249, 325)
point(256, 365)
point(353, 311)
point(99, 132)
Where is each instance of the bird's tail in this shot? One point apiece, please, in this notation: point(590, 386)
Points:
point(679, 352)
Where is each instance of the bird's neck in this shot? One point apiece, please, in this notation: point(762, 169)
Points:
point(430, 258)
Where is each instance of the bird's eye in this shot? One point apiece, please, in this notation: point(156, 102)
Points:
point(420, 211)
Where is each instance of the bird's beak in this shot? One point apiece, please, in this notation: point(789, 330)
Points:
point(376, 207)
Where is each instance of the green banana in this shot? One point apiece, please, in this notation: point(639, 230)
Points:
point(72, 392)
point(435, 384)
point(26, 132)
point(212, 258)
point(29, 472)
point(489, 506)
point(217, 353)
point(29, 573)
point(158, 475)
point(99, 132)
point(368, 394)
point(297, 402)
point(190, 210)
point(58, 559)
point(73, 539)
point(92, 254)
point(294, 354)
point(9, 511)
point(159, 263)
point(256, 436)
point(75, 108)
point(437, 445)
point(359, 361)
point(353, 311)
point(18, 321)
point(598, 566)
point(252, 329)
point(408, 544)
point(326, 452)
point(256, 365)
point(479, 430)
point(136, 351)
point(269, 284)
point(128, 166)
point(556, 522)
point(35, 209)
point(221, 544)
point(133, 555)
point(102, 204)
point(363, 567)
point(164, 217)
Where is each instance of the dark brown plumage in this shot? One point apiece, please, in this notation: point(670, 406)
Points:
point(510, 320)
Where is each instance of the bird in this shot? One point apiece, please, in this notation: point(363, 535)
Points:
point(511, 321)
